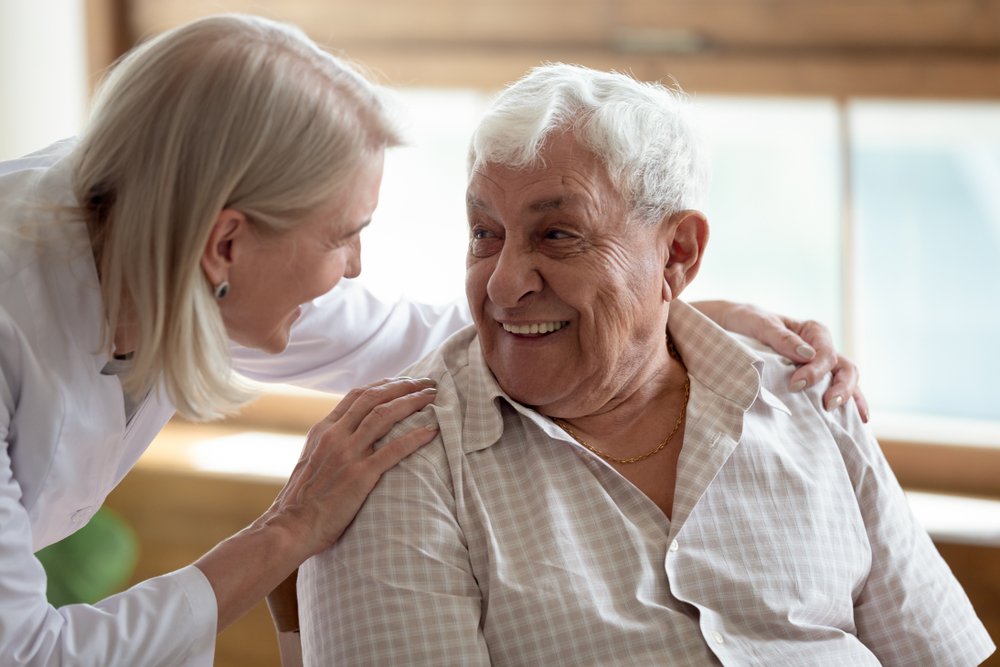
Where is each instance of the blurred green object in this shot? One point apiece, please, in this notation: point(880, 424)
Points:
point(92, 563)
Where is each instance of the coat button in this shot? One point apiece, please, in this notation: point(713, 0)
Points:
point(81, 516)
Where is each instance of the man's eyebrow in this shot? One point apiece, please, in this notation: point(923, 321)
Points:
point(548, 204)
point(474, 204)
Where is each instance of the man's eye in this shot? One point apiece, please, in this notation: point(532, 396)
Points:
point(557, 235)
point(483, 242)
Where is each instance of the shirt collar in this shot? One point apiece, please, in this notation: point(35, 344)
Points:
point(715, 358)
point(719, 360)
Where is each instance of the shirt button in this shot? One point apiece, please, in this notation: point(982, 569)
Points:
point(674, 546)
point(719, 639)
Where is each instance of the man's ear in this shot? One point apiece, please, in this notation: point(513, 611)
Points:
point(685, 238)
point(217, 257)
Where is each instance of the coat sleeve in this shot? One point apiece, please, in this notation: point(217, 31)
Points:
point(348, 338)
point(169, 620)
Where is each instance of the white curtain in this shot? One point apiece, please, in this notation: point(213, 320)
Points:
point(43, 73)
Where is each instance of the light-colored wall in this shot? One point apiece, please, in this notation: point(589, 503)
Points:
point(43, 73)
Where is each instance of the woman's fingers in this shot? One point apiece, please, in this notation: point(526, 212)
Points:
point(808, 343)
point(783, 335)
point(398, 449)
point(338, 467)
point(358, 403)
point(826, 360)
point(844, 387)
point(382, 417)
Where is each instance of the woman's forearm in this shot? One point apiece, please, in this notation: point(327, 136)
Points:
point(246, 567)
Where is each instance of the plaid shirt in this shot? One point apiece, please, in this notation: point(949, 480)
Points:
point(504, 542)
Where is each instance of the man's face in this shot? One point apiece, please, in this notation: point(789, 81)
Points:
point(565, 290)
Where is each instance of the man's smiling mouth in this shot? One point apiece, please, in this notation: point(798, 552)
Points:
point(533, 328)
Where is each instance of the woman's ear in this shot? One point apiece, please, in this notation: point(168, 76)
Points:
point(217, 257)
point(685, 238)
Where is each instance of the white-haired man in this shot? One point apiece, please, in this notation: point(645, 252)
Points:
point(617, 481)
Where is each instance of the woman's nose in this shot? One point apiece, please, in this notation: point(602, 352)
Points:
point(353, 269)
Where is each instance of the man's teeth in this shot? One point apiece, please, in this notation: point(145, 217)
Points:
point(533, 328)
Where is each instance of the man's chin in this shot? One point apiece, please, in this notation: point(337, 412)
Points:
point(530, 393)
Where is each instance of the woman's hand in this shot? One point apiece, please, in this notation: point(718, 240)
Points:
point(338, 467)
point(335, 473)
point(806, 342)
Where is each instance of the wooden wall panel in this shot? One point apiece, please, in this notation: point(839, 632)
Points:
point(839, 48)
point(350, 22)
point(805, 75)
point(977, 568)
point(958, 25)
point(725, 24)
point(178, 516)
point(108, 34)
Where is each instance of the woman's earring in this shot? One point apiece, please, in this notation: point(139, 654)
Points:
point(222, 289)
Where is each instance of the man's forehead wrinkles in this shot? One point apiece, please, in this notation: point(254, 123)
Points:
point(535, 190)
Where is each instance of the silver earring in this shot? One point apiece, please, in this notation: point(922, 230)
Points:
point(222, 289)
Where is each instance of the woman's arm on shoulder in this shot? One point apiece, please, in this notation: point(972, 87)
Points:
point(806, 342)
point(349, 337)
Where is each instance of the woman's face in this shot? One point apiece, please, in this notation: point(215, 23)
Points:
point(273, 275)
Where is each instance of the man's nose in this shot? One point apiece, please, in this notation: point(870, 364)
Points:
point(515, 277)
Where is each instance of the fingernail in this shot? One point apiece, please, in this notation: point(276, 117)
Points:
point(798, 385)
point(864, 416)
point(432, 427)
point(806, 351)
point(427, 381)
point(429, 390)
point(835, 402)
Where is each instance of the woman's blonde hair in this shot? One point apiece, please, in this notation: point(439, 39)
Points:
point(229, 111)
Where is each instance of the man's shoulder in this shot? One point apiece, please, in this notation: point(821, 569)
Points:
point(459, 375)
point(450, 359)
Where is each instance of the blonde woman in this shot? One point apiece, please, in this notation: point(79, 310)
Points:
point(193, 236)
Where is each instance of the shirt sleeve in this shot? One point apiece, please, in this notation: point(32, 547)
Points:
point(911, 610)
point(398, 587)
point(348, 338)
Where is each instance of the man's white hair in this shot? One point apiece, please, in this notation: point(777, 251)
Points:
point(642, 132)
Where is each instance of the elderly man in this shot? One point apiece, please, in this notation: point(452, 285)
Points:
point(617, 481)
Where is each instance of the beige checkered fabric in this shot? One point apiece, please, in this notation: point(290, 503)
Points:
point(506, 543)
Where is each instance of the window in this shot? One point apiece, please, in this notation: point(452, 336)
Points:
point(926, 192)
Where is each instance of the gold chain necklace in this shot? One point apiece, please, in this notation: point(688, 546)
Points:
point(642, 457)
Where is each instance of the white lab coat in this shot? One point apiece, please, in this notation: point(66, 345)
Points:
point(65, 443)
